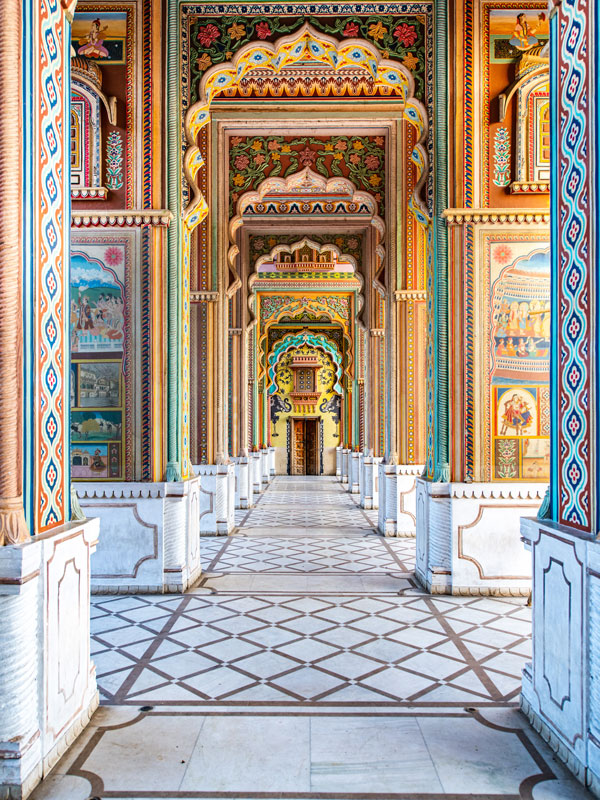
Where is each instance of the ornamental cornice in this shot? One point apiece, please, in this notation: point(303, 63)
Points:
point(403, 295)
point(204, 297)
point(377, 332)
point(495, 216)
point(122, 218)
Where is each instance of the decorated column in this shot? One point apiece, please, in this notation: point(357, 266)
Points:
point(489, 302)
point(44, 580)
point(560, 687)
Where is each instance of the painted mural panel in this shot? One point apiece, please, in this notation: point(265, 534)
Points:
point(97, 298)
point(514, 127)
point(100, 35)
point(101, 325)
point(519, 360)
point(514, 30)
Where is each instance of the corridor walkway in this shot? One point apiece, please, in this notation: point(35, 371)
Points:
point(307, 663)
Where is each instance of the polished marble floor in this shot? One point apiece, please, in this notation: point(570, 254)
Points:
point(308, 663)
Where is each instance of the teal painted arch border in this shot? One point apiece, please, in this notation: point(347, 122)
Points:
point(298, 340)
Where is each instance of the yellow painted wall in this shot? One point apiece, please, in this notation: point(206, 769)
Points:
point(325, 382)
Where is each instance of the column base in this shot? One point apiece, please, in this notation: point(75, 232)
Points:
point(217, 499)
point(256, 472)
point(338, 463)
point(45, 642)
point(346, 455)
point(397, 498)
point(243, 483)
point(468, 537)
point(559, 693)
point(354, 476)
point(369, 481)
point(150, 535)
point(265, 473)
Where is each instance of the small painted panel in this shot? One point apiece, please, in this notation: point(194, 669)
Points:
point(514, 30)
point(101, 36)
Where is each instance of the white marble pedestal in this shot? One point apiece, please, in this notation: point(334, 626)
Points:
point(561, 687)
point(468, 537)
point(397, 498)
point(150, 535)
point(47, 680)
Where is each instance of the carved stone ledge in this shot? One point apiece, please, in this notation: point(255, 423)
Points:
point(125, 218)
point(377, 332)
point(479, 216)
point(128, 491)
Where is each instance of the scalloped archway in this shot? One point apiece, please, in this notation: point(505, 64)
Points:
point(305, 44)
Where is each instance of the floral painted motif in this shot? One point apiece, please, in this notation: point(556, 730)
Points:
point(114, 160)
point(359, 158)
point(502, 157)
point(215, 40)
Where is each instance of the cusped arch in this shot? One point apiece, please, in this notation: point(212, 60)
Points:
point(305, 44)
point(318, 341)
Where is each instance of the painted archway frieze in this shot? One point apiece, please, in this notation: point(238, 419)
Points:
point(317, 341)
point(305, 44)
point(306, 186)
point(305, 241)
point(329, 306)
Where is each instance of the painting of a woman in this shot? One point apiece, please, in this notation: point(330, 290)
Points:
point(523, 36)
point(93, 46)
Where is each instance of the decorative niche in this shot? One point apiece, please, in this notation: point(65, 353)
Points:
point(87, 99)
point(530, 92)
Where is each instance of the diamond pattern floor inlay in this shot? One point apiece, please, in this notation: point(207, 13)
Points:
point(308, 663)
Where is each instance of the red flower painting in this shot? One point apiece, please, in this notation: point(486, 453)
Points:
point(372, 162)
point(351, 29)
point(406, 34)
point(241, 161)
point(207, 35)
point(263, 30)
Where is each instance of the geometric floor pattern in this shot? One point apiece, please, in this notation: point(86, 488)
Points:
point(275, 649)
point(308, 663)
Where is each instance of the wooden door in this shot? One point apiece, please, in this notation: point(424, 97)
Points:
point(298, 447)
point(311, 436)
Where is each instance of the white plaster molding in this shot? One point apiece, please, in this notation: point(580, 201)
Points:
point(120, 491)
point(404, 295)
point(530, 187)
